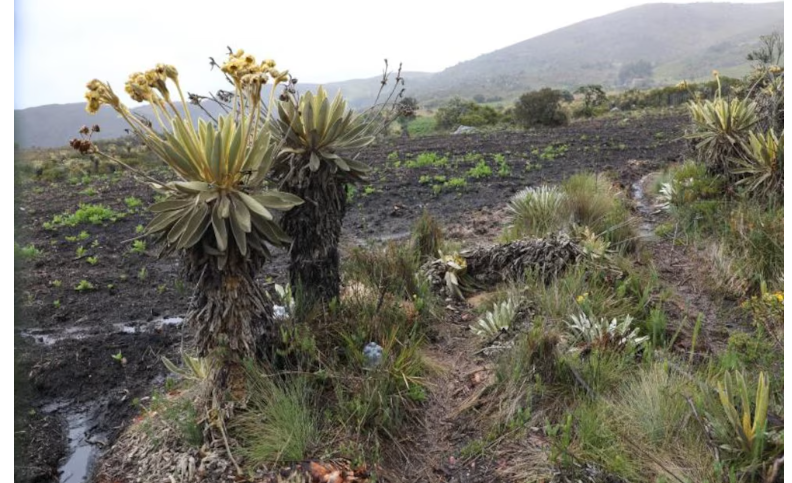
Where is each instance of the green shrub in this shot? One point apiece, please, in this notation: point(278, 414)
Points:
point(677, 95)
point(593, 97)
point(28, 252)
point(351, 191)
point(138, 246)
point(456, 183)
point(480, 170)
point(550, 152)
point(424, 160)
point(692, 182)
point(86, 213)
point(542, 107)
point(83, 285)
point(744, 350)
point(422, 126)
point(503, 166)
point(131, 202)
point(458, 112)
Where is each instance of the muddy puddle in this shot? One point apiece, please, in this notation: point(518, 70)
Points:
point(82, 446)
point(81, 451)
point(646, 227)
point(52, 336)
point(87, 421)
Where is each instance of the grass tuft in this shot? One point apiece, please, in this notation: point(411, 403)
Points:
point(280, 424)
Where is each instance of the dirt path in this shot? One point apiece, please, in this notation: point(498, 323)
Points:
point(683, 269)
point(457, 375)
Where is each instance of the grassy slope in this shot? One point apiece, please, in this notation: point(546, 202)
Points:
point(682, 41)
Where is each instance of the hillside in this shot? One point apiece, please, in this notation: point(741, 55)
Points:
point(679, 42)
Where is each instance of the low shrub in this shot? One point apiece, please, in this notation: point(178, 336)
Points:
point(538, 212)
point(540, 108)
point(595, 202)
point(458, 112)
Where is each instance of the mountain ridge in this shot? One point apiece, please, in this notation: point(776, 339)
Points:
point(678, 41)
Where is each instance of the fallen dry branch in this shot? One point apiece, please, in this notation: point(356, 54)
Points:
point(489, 266)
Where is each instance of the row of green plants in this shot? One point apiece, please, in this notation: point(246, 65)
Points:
point(554, 107)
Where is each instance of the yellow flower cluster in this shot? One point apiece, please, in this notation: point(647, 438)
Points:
point(99, 93)
point(140, 84)
point(455, 260)
point(682, 86)
point(244, 70)
point(775, 69)
point(582, 298)
point(767, 298)
point(139, 87)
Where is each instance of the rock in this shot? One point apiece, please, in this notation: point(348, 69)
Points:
point(279, 312)
point(373, 354)
point(465, 130)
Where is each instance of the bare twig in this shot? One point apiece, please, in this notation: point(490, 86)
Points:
point(221, 425)
point(196, 100)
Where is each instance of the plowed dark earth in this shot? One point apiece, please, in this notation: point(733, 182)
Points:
point(65, 348)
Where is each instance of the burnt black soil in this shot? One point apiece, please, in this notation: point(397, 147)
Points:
point(133, 289)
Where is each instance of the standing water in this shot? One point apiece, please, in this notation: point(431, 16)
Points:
point(75, 468)
point(646, 227)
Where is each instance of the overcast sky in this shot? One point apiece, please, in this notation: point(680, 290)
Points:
point(61, 44)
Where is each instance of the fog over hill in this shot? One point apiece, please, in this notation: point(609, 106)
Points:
point(652, 44)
